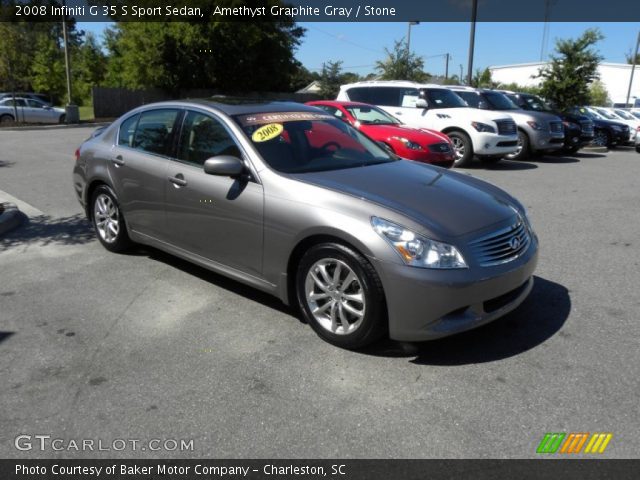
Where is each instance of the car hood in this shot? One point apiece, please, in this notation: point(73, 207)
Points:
point(446, 203)
point(403, 130)
point(526, 115)
point(607, 123)
point(471, 114)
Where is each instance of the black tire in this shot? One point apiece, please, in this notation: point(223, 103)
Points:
point(569, 151)
point(524, 147)
point(463, 148)
point(120, 241)
point(62, 118)
point(373, 323)
point(6, 119)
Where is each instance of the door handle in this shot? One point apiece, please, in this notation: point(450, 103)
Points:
point(398, 113)
point(178, 180)
point(118, 160)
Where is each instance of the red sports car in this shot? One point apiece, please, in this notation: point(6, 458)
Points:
point(419, 144)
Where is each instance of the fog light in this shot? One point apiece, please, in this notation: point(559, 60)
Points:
point(486, 145)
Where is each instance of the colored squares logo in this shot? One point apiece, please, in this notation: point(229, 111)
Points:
point(574, 443)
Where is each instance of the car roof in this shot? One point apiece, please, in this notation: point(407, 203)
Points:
point(341, 103)
point(238, 106)
point(391, 83)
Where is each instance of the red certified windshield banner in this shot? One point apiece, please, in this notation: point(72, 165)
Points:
point(281, 117)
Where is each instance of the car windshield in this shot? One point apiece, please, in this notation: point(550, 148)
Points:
point(625, 115)
point(371, 115)
point(607, 115)
point(636, 114)
point(442, 98)
point(536, 103)
point(303, 142)
point(499, 101)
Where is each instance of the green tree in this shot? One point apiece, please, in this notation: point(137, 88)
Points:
point(14, 64)
point(566, 80)
point(629, 57)
point(599, 96)
point(330, 79)
point(482, 79)
point(89, 64)
point(233, 57)
point(400, 64)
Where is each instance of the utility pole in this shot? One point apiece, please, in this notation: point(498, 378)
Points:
point(446, 67)
point(461, 73)
point(633, 68)
point(67, 64)
point(71, 110)
point(409, 35)
point(472, 39)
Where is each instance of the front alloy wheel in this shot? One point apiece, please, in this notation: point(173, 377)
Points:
point(340, 295)
point(334, 296)
point(601, 139)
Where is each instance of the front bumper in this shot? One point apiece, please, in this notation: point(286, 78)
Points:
point(494, 144)
point(546, 141)
point(427, 304)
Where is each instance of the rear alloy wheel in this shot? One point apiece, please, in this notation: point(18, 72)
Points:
point(602, 138)
point(62, 118)
point(6, 119)
point(522, 150)
point(340, 296)
point(108, 221)
point(462, 147)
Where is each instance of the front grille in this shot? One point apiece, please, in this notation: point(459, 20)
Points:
point(586, 127)
point(440, 148)
point(556, 127)
point(502, 246)
point(506, 127)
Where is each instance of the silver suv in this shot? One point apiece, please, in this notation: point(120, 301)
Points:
point(537, 131)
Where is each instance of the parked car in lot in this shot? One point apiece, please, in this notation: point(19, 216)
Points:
point(488, 135)
point(30, 111)
point(638, 141)
point(611, 114)
point(578, 129)
point(294, 202)
point(419, 144)
point(607, 132)
point(42, 97)
point(538, 132)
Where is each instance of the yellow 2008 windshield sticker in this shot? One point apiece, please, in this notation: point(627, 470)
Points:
point(267, 132)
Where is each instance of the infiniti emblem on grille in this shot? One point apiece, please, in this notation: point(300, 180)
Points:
point(514, 243)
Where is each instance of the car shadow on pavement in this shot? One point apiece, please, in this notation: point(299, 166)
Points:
point(588, 155)
point(557, 159)
point(503, 164)
point(4, 336)
point(45, 230)
point(216, 279)
point(539, 317)
point(5, 163)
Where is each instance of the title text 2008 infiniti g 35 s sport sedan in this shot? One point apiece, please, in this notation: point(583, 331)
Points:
point(292, 201)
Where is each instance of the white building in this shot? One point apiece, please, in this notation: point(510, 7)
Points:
point(614, 76)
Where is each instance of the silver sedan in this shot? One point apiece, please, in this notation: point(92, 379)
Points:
point(294, 202)
point(29, 110)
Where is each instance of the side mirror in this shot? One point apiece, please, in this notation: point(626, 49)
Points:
point(422, 103)
point(482, 105)
point(385, 147)
point(224, 166)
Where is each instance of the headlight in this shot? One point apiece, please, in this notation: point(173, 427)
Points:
point(418, 251)
point(536, 126)
point(483, 127)
point(408, 143)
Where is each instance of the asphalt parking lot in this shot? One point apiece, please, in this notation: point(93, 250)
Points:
point(145, 346)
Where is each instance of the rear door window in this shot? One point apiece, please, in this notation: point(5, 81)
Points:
point(155, 131)
point(203, 137)
point(127, 131)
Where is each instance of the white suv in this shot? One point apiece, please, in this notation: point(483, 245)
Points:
point(489, 135)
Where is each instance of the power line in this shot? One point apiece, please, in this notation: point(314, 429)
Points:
point(338, 37)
